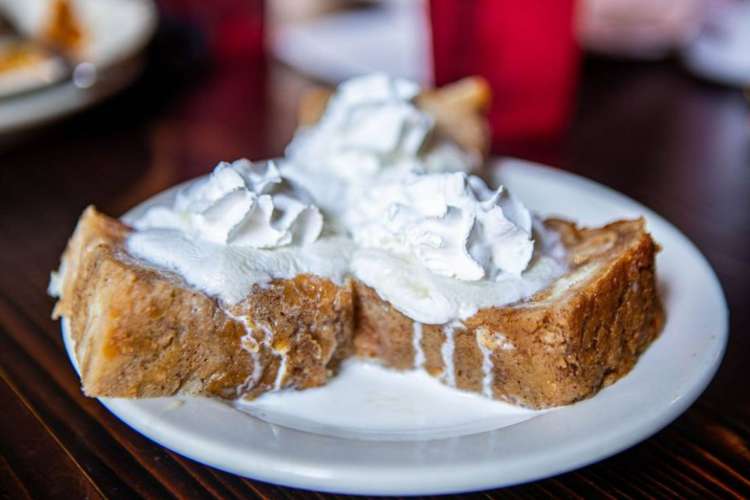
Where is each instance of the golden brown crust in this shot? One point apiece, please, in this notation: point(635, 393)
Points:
point(562, 345)
point(460, 112)
point(141, 333)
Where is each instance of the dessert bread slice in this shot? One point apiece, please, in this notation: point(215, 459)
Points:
point(583, 332)
point(141, 332)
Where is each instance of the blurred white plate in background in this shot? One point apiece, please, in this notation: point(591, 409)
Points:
point(117, 31)
point(392, 38)
point(722, 51)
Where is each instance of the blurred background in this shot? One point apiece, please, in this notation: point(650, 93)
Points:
point(111, 101)
point(223, 78)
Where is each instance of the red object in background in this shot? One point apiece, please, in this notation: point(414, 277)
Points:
point(226, 115)
point(234, 29)
point(526, 50)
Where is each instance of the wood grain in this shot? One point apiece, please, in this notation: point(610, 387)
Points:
point(680, 146)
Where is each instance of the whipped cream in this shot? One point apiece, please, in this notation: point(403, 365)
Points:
point(230, 272)
point(452, 224)
point(401, 215)
point(430, 298)
point(243, 225)
point(370, 128)
point(241, 204)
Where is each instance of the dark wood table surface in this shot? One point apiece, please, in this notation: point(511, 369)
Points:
point(651, 131)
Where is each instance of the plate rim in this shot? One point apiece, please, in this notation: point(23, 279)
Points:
point(390, 480)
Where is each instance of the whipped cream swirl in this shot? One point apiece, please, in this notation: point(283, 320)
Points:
point(240, 227)
point(372, 126)
point(241, 204)
point(452, 224)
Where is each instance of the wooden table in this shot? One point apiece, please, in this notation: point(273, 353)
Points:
point(680, 146)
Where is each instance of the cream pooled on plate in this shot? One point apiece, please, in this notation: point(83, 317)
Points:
point(242, 225)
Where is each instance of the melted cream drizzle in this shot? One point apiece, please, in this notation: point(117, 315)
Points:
point(447, 350)
point(487, 365)
point(280, 372)
point(419, 358)
point(268, 342)
point(251, 346)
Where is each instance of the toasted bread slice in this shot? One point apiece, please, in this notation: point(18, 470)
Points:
point(583, 332)
point(459, 110)
point(140, 332)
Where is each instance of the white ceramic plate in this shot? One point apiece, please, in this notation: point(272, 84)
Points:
point(117, 29)
point(720, 52)
point(667, 379)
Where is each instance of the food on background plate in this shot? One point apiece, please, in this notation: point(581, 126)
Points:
point(43, 53)
point(63, 28)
